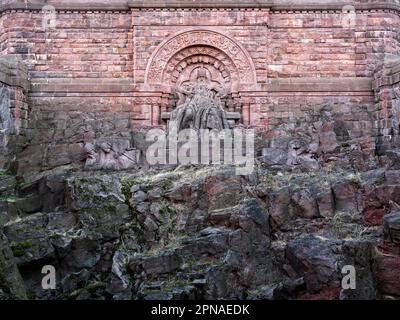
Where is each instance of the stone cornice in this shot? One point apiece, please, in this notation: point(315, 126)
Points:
point(126, 5)
point(305, 85)
point(97, 5)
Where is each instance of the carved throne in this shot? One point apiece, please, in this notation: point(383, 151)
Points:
point(217, 78)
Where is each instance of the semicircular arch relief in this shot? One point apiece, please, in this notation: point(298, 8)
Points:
point(170, 48)
point(220, 66)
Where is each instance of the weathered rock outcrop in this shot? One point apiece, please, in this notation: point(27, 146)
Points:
point(14, 85)
point(11, 284)
point(205, 233)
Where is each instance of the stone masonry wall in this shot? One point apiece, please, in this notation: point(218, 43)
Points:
point(281, 44)
point(87, 45)
point(3, 37)
point(317, 45)
point(387, 104)
point(88, 72)
point(284, 43)
point(13, 109)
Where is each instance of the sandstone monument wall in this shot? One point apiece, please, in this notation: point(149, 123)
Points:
point(386, 86)
point(83, 82)
point(110, 68)
point(14, 86)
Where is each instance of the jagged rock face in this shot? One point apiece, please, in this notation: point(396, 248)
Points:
point(205, 233)
point(323, 143)
point(391, 225)
point(5, 112)
point(5, 121)
point(11, 284)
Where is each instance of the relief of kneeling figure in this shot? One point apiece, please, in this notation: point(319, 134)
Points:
point(105, 158)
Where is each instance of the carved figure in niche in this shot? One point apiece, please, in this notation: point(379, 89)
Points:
point(199, 105)
point(105, 157)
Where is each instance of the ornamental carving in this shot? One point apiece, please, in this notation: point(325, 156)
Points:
point(199, 105)
point(188, 58)
point(201, 40)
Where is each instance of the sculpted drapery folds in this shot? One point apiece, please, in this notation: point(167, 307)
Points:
point(203, 70)
point(199, 105)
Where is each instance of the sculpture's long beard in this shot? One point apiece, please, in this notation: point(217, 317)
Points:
point(203, 101)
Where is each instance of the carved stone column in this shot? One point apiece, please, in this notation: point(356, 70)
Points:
point(246, 112)
point(155, 115)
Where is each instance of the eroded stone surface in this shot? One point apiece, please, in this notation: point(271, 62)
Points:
point(177, 235)
point(325, 103)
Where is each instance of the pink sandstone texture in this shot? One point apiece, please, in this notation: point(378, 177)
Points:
point(318, 81)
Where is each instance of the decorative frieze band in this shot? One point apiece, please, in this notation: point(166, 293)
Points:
point(120, 6)
point(276, 85)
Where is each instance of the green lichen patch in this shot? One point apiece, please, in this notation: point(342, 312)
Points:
point(19, 248)
point(8, 198)
point(6, 173)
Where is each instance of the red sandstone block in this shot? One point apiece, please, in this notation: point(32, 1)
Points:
point(387, 267)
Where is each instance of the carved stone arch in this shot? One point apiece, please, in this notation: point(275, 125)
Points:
point(217, 62)
point(162, 58)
